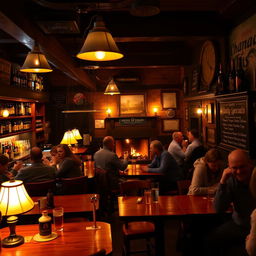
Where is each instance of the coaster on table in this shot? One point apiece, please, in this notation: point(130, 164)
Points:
point(39, 238)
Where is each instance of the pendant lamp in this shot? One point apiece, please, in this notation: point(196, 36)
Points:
point(112, 88)
point(99, 44)
point(36, 62)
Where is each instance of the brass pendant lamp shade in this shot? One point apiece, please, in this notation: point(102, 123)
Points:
point(112, 88)
point(99, 44)
point(145, 8)
point(36, 62)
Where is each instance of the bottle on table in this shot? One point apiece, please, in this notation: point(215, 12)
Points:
point(45, 225)
point(50, 199)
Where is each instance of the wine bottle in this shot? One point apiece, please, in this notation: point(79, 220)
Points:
point(50, 199)
point(220, 81)
point(239, 76)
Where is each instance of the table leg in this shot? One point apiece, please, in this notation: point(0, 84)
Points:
point(160, 241)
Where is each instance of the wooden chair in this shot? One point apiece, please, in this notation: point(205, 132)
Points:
point(40, 188)
point(72, 186)
point(136, 229)
point(183, 186)
point(101, 252)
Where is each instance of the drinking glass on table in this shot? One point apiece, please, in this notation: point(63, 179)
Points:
point(211, 193)
point(148, 196)
point(155, 191)
point(58, 213)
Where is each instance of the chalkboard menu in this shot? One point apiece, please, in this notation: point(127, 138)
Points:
point(233, 120)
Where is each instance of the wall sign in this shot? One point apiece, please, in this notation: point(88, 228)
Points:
point(233, 120)
point(131, 121)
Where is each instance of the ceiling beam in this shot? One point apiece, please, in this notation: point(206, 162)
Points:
point(16, 23)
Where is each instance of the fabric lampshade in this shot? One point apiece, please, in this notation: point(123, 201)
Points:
point(99, 44)
point(14, 198)
point(36, 62)
point(112, 88)
point(76, 134)
point(68, 138)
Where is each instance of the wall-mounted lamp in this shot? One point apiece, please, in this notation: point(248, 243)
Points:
point(155, 111)
point(199, 111)
point(127, 141)
point(5, 113)
point(108, 111)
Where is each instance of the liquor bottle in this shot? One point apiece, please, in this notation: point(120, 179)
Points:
point(45, 225)
point(50, 199)
point(239, 76)
point(220, 82)
point(22, 109)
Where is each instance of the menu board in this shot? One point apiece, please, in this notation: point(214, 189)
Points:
point(233, 117)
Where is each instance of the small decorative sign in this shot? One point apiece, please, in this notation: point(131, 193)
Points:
point(131, 121)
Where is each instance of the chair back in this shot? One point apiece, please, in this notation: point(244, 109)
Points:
point(72, 186)
point(40, 188)
point(134, 187)
point(183, 186)
point(101, 252)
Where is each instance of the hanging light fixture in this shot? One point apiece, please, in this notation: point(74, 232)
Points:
point(112, 88)
point(36, 62)
point(99, 44)
point(145, 8)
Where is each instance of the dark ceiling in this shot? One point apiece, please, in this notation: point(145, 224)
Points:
point(166, 39)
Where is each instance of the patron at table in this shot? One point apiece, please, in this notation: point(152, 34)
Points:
point(233, 188)
point(207, 173)
point(106, 159)
point(4, 173)
point(164, 162)
point(37, 171)
point(69, 165)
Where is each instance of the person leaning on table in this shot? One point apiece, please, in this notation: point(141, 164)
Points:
point(206, 174)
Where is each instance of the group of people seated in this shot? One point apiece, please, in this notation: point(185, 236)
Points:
point(63, 164)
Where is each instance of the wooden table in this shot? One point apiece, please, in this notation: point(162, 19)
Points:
point(70, 203)
point(135, 171)
point(168, 206)
point(74, 240)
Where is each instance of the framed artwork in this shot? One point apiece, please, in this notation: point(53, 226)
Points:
point(169, 100)
point(169, 125)
point(210, 113)
point(99, 123)
point(210, 134)
point(132, 104)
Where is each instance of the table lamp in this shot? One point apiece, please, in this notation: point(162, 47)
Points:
point(68, 138)
point(14, 200)
point(77, 134)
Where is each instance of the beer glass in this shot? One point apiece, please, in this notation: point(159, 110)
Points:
point(58, 213)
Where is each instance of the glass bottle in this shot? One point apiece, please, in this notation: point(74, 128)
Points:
point(45, 225)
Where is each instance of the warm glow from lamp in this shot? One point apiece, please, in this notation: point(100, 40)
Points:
point(199, 111)
point(76, 134)
point(155, 110)
point(108, 111)
point(36, 62)
point(99, 44)
point(68, 138)
point(5, 113)
point(127, 141)
point(14, 200)
point(100, 55)
point(112, 88)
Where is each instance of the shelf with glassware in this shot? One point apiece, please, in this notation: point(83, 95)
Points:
point(21, 116)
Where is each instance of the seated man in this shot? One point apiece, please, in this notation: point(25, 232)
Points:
point(193, 137)
point(164, 162)
point(175, 148)
point(233, 188)
point(107, 159)
point(37, 171)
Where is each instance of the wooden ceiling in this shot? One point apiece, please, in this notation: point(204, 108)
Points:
point(161, 41)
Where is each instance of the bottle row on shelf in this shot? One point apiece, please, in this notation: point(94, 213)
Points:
point(15, 109)
point(234, 80)
point(14, 148)
point(26, 80)
point(15, 126)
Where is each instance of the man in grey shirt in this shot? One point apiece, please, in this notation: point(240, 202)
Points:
point(37, 171)
point(106, 159)
point(234, 188)
point(175, 148)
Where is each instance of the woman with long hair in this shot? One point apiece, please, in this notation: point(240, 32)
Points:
point(69, 165)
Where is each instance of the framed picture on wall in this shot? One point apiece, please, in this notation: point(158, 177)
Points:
point(210, 135)
point(99, 124)
point(169, 125)
point(168, 100)
point(132, 104)
point(210, 113)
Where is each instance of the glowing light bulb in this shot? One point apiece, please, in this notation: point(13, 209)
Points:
point(199, 111)
point(5, 113)
point(100, 55)
point(155, 110)
point(127, 141)
point(36, 62)
point(108, 111)
point(37, 69)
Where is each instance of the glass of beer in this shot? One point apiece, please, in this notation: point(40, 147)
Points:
point(58, 213)
point(147, 196)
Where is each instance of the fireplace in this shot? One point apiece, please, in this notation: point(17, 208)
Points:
point(137, 148)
